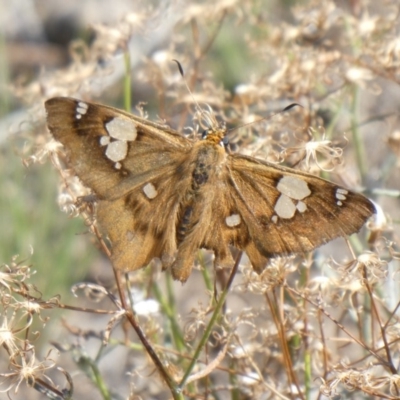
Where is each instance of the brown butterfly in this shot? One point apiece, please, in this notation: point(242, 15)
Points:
point(163, 195)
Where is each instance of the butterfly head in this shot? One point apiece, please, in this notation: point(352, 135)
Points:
point(213, 131)
point(216, 136)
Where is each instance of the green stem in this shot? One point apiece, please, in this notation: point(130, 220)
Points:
point(358, 144)
point(93, 372)
point(127, 81)
point(205, 272)
point(211, 323)
point(307, 374)
point(168, 307)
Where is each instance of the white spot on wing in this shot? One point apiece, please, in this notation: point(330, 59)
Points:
point(274, 219)
point(117, 151)
point(233, 220)
point(81, 109)
point(285, 207)
point(301, 207)
point(150, 191)
point(342, 191)
point(293, 187)
point(105, 140)
point(122, 129)
point(341, 195)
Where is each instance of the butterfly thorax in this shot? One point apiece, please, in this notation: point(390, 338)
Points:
point(207, 164)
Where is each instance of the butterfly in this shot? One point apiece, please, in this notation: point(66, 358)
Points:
point(162, 195)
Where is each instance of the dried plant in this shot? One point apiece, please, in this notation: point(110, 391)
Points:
point(305, 328)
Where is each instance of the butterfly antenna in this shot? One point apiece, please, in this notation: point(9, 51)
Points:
point(203, 114)
point(287, 108)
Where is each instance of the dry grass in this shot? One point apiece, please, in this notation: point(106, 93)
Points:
point(322, 327)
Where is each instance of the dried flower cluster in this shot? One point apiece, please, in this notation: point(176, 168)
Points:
point(22, 307)
point(314, 328)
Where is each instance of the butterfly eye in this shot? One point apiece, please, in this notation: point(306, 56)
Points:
point(224, 143)
point(204, 134)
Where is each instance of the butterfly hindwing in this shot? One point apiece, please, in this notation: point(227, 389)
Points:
point(141, 225)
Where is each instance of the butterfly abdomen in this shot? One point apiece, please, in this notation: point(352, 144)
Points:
point(195, 214)
point(184, 223)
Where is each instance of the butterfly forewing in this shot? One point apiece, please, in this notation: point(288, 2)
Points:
point(113, 152)
point(162, 195)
